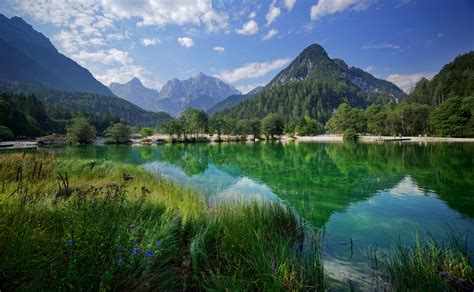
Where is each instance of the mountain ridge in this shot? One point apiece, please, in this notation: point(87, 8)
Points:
point(314, 85)
point(200, 91)
point(36, 60)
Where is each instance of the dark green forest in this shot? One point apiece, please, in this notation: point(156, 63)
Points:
point(443, 106)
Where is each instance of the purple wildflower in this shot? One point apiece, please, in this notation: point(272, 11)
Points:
point(69, 241)
point(149, 254)
point(158, 242)
point(136, 251)
point(120, 247)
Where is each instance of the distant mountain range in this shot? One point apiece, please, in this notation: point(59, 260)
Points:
point(313, 84)
point(30, 64)
point(134, 92)
point(28, 56)
point(201, 92)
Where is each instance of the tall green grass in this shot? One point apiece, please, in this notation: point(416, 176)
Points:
point(78, 224)
point(432, 265)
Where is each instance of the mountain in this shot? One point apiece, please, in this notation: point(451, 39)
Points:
point(456, 79)
point(28, 56)
point(201, 92)
point(58, 102)
point(233, 100)
point(314, 64)
point(134, 92)
point(315, 85)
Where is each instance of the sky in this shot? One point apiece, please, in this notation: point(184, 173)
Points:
point(246, 43)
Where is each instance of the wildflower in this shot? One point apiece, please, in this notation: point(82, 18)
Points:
point(158, 242)
point(136, 251)
point(119, 248)
point(69, 241)
point(149, 254)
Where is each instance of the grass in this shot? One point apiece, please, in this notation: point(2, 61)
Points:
point(432, 265)
point(83, 225)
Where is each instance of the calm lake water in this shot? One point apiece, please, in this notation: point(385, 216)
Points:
point(372, 194)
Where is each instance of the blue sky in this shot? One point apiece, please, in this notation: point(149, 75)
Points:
point(247, 42)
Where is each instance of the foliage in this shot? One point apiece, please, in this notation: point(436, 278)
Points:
point(119, 133)
point(24, 115)
point(346, 117)
point(101, 232)
point(349, 134)
point(454, 80)
point(64, 105)
point(194, 121)
point(145, 132)
point(81, 131)
point(6, 133)
point(455, 117)
point(272, 125)
point(173, 127)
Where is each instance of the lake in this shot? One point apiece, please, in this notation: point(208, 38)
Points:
point(373, 195)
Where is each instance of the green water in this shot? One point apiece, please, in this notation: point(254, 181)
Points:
point(371, 194)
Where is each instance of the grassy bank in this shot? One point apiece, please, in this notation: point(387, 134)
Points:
point(83, 225)
point(432, 265)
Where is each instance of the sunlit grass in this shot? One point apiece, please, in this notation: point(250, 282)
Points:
point(83, 225)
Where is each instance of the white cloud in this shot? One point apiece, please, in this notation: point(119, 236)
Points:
point(165, 12)
point(249, 28)
point(273, 13)
point(251, 70)
point(123, 74)
point(370, 69)
point(271, 33)
point(440, 35)
point(289, 4)
point(252, 15)
point(247, 88)
point(186, 42)
point(118, 36)
point(150, 42)
point(106, 57)
point(407, 81)
point(381, 46)
point(219, 49)
point(327, 7)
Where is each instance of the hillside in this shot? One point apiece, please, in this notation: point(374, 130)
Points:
point(28, 56)
point(233, 100)
point(315, 85)
point(455, 79)
point(57, 101)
